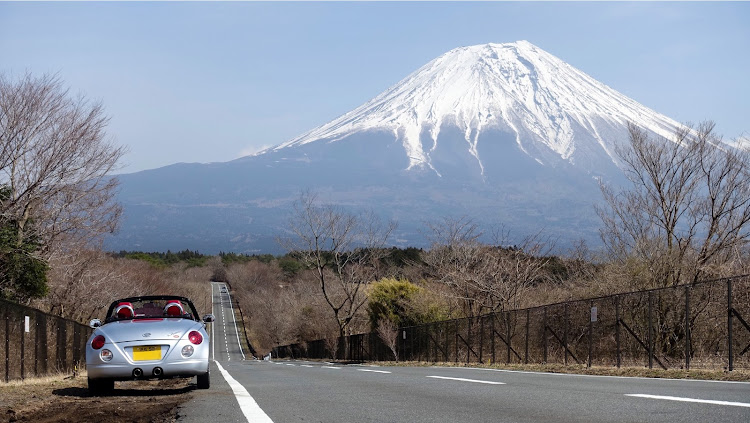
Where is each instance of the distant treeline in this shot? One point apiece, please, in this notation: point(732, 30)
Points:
point(291, 264)
point(395, 256)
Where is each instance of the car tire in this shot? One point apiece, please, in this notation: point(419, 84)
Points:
point(204, 380)
point(98, 387)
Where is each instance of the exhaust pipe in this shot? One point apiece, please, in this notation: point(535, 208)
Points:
point(158, 371)
point(137, 373)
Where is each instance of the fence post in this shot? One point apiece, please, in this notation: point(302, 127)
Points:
point(369, 347)
point(687, 328)
point(413, 333)
point(424, 343)
point(507, 335)
point(23, 350)
point(469, 323)
point(617, 329)
point(44, 347)
point(565, 335)
point(481, 338)
point(650, 331)
point(526, 354)
point(59, 349)
point(76, 346)
point(729, 324)
point(591, 330)
point(492, 336)
point(37, 341)
point(447, 344)
point(7, 347)
point(544, 334)
point(455, 327)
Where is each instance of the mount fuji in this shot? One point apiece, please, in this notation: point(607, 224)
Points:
point(506, 134)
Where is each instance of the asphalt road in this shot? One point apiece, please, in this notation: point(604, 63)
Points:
point(299, 391)
point(225, 336)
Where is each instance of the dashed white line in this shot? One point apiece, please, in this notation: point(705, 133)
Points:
point(305, 365)
point(373, 371)
point(460, 379)
point(331, 367)
point(651, 379)
point(681, 399)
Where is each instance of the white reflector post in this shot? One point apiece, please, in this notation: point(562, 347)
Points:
point(26, 323)
point(593, 314)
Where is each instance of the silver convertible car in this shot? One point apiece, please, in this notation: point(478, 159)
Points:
point(148, 337)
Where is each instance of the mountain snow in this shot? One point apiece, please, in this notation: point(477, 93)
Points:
point(514, 87)
point(740, 143)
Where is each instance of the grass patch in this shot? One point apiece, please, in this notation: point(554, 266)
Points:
point(42, 380)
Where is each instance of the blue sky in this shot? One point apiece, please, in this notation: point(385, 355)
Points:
point(204, 82)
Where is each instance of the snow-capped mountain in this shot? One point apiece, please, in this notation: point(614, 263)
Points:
point(506, 134)
point(516, 88)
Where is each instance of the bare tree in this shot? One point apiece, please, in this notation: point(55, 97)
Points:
point(75, 278)
point(508, 271)
point(342, 249)
point(56, 159)
point(388, 332)
point(484, 278)
point(54, 167)
point(687, 210)
point(454, 258)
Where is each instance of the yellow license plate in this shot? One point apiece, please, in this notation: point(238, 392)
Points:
point(148, 352)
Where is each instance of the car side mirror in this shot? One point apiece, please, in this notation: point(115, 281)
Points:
point(95, 323)
point(209, 318)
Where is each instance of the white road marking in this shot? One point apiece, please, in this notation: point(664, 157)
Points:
point(290, 364)
point(591, 376)
point(305, 365)
point(249, 407)
point(235, 328)
point(331, 367)
point(468, 380)
point(373, 371)
point(681, 399)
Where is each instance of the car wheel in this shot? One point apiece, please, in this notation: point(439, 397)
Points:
point(99, 387)
point(204, 380)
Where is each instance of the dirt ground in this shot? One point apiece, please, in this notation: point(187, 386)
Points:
point(61, 399)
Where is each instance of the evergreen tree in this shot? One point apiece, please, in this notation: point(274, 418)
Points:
point(23, 274)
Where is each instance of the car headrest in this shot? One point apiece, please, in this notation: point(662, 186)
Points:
point(173, 308)
point(124, 311)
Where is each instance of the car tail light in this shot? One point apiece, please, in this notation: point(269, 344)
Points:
point(97, 342)
point(106, 355)
point(195, 337)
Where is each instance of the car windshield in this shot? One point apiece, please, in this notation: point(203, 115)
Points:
point(144, 308)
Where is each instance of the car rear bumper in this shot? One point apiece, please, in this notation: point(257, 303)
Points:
point(122, 365)
point(183, 368)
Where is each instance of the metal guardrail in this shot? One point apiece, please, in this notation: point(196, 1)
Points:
point(702, 325)
point(38, 343)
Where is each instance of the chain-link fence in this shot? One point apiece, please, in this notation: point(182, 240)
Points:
point(38, 344)
point(697, 326)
